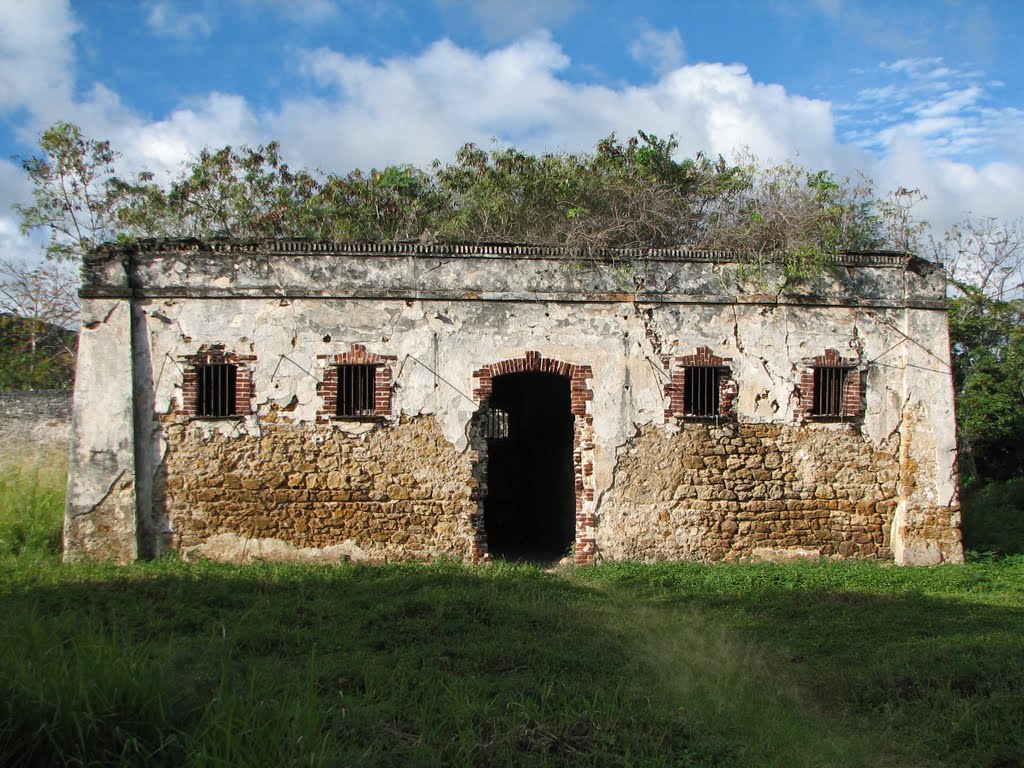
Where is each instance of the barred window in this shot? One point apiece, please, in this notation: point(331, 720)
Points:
point(495, 424)
point(356, 391)
point(215, 390)
point(829, 388)
point(700, 397)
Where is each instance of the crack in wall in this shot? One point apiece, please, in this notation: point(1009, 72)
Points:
point(92, 326)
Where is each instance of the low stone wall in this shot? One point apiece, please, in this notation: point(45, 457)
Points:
point(35, 426)
point(398, 491)
point(751, 491)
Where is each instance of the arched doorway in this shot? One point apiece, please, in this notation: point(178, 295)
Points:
point(546, 391)
point(530, 508)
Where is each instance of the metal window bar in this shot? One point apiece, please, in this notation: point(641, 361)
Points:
point(829, 383)
point(215, 390)
point(700, 397)
point(495, 424)
point(356, 393)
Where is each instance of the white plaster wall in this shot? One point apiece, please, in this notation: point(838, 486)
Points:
point(437, 346)
point(100, 515)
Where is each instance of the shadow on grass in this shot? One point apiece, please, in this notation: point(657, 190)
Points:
point(933, 659)
point(172, 663)
point(403, 665)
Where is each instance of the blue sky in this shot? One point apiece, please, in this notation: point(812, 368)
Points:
point(927, 94)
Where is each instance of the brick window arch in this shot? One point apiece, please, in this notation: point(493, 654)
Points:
point(217, 384)
point(700, 386)
point(356, 385)
point(831, 388)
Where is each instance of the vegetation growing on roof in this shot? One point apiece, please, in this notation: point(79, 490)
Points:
point(633, 194)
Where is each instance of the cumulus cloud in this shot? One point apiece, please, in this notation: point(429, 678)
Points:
point(35, 54)
point(165, 20)
point(954, 188)
point(420, 107)
point(662, 50)
point(929, 125)
point(215, 120)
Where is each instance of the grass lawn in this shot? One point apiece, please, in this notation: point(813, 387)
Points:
point(171, 663)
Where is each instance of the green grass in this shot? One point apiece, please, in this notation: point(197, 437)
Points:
point(31, 509)
point(171, 663)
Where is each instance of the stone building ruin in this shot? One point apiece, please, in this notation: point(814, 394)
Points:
point(305, 400)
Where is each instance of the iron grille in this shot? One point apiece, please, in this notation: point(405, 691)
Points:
point(215, 390)
point(495, 424)
point(700, 397)
point(829, 384)
point(356, 390)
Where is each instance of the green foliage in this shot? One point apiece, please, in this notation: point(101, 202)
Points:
point(397, 203)
point(239, 193)
point(993, 516)
point(622, 195)
point(636, 194)
point(76, 195)
point(34, 354)
point(987, 341)
point(800, 215)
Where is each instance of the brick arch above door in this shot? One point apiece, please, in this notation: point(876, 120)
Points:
point(581, 395)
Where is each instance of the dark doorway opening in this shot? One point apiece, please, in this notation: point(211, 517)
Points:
point(530, 510)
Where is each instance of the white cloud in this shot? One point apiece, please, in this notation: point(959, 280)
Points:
point(215, 120)
point(167, 21)
point(914, 66)
point(508, 19)
point(929, 128)
point(301, 11)
point(35, 54)
point(951, 111)
point(954, 189)
point(413, 109)
point(662, 50)
point(14, 246)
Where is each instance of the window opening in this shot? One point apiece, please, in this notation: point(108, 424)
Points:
point(495, 424)
point(215, 390)
point(700, 397)
point(829, 385)
point(356, 390)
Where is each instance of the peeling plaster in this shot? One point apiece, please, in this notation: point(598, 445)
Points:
point(441, 318)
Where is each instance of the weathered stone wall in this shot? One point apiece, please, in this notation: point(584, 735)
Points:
point(287, 478)
point(771, 491)
point(395, 491)
point(35, 426)
point(101, 519)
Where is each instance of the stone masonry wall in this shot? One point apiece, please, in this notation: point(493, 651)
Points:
point(285, 476)
point(397, 491)
point(750, 491)
point(35, 425)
